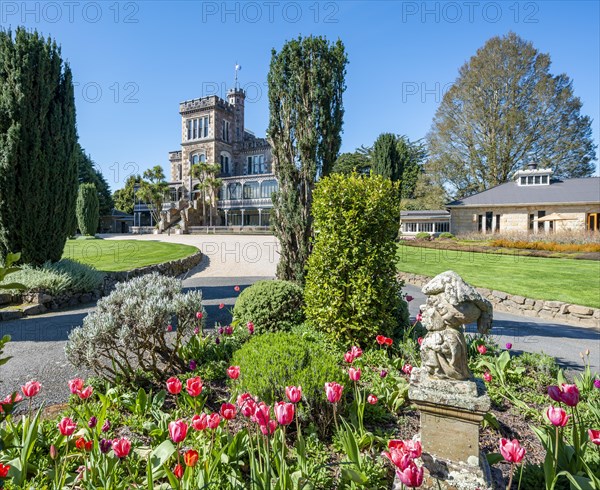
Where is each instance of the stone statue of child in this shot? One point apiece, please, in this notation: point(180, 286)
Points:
point(451, 304)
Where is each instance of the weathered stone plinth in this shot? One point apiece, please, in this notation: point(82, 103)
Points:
point(451, 413)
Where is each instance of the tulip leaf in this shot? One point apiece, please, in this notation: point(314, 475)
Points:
point(494, 458)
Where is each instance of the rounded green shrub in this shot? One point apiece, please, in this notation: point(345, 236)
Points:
point(270, 362)
point(446, 235)
point(351, 289)
point(271, 305)
point(422, 235)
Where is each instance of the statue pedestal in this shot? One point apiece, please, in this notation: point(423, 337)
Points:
point(451, 413)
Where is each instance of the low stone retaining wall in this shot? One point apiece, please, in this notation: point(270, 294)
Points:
point(582, 316)
point(37, 303)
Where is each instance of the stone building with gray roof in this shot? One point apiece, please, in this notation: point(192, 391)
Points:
point(532, 202)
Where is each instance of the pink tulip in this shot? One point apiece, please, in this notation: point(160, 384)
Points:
point(199, 315)
point(31, 388)
point(233, 372)
point(246, 404)
point(236, 289)
point(177, 431)
point(487, 377)
point(567, 394)
point(174, 385)
point(66, 426)
point(221, 306)
point(284, 412)
point(169, 328)
point(410, 446)
point(356, 351)
point(557, 416)
point(348, 357)
point(121, 447)
point(294, 393)
point(76, 385)
point(354, 374)
point(85, 393)
point(407, 369)
point(262, 414)
point(200, 422)
point(512, 451)
point(214, 419)
point(419, 317)
point(194, 386)
point(420, 340)
point(250, 327)
point(333, 392)
point(227, 411)
point(399, 458)
point(482, 349)
point(594, 436)
point(269, 427)
point(372, 399)
point(411, 476)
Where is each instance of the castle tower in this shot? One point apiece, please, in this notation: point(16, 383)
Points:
point(236, 97)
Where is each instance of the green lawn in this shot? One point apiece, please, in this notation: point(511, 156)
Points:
point(568, 280)
point(123, 255)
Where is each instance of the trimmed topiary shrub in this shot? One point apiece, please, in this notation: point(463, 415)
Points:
point(446, 235)
point(270, 362)
point(351, 288)
point(422, 235)
point(127, 333)
point(88, 209)
point(271, 305)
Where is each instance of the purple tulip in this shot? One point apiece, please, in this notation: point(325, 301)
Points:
point(597, 383)
point(409, 298)
point(383, 373)
point(92, 423)
point(106, 426)
point(217, 340)
point(508, 345)
point(193, 365)
point(221, 330)
point(228, 330)
point(105, 445)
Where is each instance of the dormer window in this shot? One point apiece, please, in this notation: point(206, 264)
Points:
point(533, 176)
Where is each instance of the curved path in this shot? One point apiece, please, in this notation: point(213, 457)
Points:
point(37, 344)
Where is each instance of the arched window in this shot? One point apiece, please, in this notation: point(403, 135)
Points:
point(267, 188)
point(234, 190)
point(251, 190)
point(197, 158)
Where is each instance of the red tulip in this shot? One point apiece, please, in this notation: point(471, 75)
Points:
point(84, 445)
point(411, 476)
point(86, 393)
point(214, 420)
point(269, 427)
point(356, 351)
point(482, 349)
point(227, 411)
point(372, 399)
point(76, 385)
point(557, 416)
point(388, 341)
point(487, 377)
point(200, 422)
point(354, 374)
point(178, 471)
point(348, 357)
point(169, 328)
point(190, 458)
point(66, 426)
point(177, 430)
point(174, 385)
point(121, 447)
point(594, 436)
point(194, 386)
point(233, 372)
point(199, 315)
point(4, 470)
point(333, 391)
point(294, 393)
point(511, 450)
point(31, 388)
point(380, 339)
point(246, 404)
point(284, 412)
point(407, 369)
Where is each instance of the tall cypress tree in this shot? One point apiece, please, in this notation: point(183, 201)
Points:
point(38, 160)
point(306, 82)
point(87, 206)
point(385, 159)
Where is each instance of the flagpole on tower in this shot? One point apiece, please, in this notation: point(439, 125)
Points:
point(237, 68)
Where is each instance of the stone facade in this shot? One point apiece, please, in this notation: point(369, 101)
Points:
point(517, 218)
point(582, 316)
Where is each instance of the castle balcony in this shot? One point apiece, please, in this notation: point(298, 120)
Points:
point(247, 191)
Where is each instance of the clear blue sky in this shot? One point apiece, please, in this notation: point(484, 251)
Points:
point(135, 61)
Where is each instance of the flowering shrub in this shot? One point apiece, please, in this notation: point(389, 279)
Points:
point(270, 305)
point(351, 289)
point(128, 330)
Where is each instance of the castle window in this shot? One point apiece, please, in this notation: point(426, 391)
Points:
point(256, 164)
point(198, 158)
point(267, 188)
point(225, 130)
point(234, 191)
point(251, 190)
point(225, 163)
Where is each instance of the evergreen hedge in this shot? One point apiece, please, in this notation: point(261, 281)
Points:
point(87, 208)
point(351, 288)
